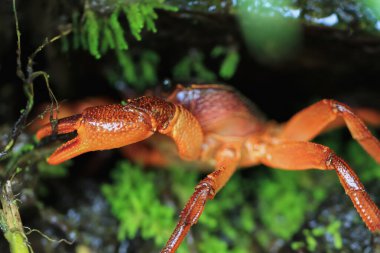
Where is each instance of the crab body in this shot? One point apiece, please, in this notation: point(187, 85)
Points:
point(215, 107)
point(216, 126)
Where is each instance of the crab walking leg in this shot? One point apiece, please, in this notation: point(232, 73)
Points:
point(368, 116)
point(307, 155)
point(227, 161)
point(309, 122)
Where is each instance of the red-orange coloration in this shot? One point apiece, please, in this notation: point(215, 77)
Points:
point(215, 125)
point(65, 109)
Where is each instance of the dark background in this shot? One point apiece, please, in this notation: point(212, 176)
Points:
point(330, 63)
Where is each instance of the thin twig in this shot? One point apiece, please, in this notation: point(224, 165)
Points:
point(28, 85)
point(19, 71)
point(47, 237)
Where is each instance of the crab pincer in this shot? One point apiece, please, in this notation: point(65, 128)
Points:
point(114, 126)
point(64, 126)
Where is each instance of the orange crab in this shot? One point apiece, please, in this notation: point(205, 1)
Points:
point(217, 126)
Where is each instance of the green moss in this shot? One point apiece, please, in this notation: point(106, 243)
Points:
point(108, 40)
point(285, 199)
point(297, 245)
point(134, 197)
point(312, 236)
point(134, 200)
point(212, 244)
point(311, 242)
point(117, 31)
point(227, 222)
point(91, 33)
point(99, 32)
point(333, 229)
point(135, 18)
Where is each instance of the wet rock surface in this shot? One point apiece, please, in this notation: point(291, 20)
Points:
point(336, 227)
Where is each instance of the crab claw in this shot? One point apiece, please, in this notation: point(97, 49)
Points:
point(99, 128)
point(64, 126)
point(68, 149)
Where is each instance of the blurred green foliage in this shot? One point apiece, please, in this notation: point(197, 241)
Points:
point(366, 167)
point(374, 7)
point(53, 171)
point(270, 35)
point(351, 151)
point(99, 32)
point(193, 65)
point(272, 29)
point(140, 71)
point(229, 63)
point(311, 237)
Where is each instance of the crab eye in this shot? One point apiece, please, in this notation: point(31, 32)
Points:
point(164, 89)
point(167, 85)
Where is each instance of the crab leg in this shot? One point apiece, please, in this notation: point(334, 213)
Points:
point(227, 161)
point(309, 122)
point(114, 126)
point(368, 116)
point(306, 155)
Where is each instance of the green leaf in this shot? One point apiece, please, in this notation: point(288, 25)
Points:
point(135, 19)
point(91, 27)
point(128, 67)
point(229, 65)
point(118, 31)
